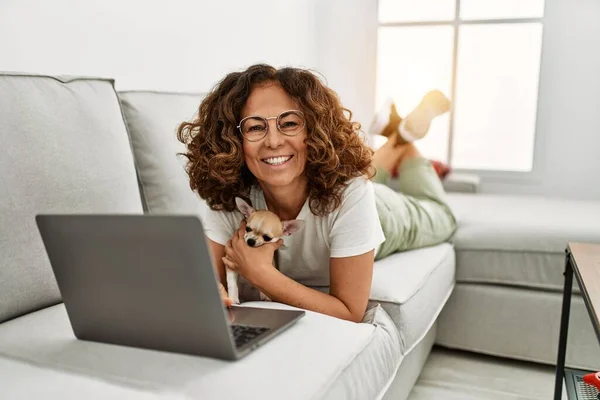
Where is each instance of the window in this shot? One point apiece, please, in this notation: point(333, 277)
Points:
point(485, 56)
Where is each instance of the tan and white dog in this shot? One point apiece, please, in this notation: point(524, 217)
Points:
point(262, 226)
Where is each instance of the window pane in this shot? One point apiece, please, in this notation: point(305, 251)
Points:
point(496, 96)
point(410, 62)
point(495, 9)
point(416, 10)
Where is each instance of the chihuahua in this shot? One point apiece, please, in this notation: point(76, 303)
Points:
point(262, 226)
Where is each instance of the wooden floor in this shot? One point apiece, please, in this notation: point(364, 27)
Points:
point(453, 375)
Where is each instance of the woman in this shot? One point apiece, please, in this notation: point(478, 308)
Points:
point(281, 139)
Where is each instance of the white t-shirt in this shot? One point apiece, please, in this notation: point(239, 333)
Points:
point(350, 230)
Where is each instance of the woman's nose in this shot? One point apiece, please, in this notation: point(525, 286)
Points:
point(274, 137)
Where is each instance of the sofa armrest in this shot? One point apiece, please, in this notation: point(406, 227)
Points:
point(461, 183)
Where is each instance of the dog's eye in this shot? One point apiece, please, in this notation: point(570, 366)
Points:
point(248, 229)
point(267, 238)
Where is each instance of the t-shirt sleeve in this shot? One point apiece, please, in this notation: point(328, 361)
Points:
point(219, 226)
point(356, 228)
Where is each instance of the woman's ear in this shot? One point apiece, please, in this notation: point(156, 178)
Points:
point(245, 208)
point(292, 226)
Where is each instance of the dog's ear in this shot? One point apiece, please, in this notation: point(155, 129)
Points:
point(292, 226)
point(245, 208)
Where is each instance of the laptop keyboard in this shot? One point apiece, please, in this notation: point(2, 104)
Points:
point(244, 334)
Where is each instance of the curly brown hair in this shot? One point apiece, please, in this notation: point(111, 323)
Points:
point(216, 166)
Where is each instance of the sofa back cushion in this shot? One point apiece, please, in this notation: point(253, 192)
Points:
point(152, 119)
point(64, 149)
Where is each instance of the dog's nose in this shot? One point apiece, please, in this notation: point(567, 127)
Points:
point(251, 242)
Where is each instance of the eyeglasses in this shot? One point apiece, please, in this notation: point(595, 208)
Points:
point(255, 128)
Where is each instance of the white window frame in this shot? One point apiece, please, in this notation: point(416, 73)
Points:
point(524, 177)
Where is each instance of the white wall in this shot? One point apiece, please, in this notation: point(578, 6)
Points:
point(347, 52)
point(176, 45)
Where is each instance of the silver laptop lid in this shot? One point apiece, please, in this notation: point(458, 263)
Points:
point(126, 279)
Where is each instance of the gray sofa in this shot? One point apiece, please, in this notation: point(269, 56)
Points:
point(510, 257)
point(76, 145)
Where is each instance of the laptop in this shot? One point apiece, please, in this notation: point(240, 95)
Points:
point(148, 281)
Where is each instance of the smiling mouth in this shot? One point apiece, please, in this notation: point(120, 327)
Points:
point(277, 160)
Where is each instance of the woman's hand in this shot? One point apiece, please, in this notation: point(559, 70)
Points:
point(246, 260)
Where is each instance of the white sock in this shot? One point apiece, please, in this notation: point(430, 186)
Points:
point(420, 122)
point(381, 118)
point(405, 133)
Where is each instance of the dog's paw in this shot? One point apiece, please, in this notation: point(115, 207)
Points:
point(234, 295)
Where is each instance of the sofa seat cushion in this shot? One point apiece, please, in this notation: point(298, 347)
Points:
point(519, 240)
point(318, 357)
point(413, 286)
point(26, 380)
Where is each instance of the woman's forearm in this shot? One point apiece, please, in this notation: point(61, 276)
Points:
point(282, 289)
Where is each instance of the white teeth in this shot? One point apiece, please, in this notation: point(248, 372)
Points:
point(276, 160)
